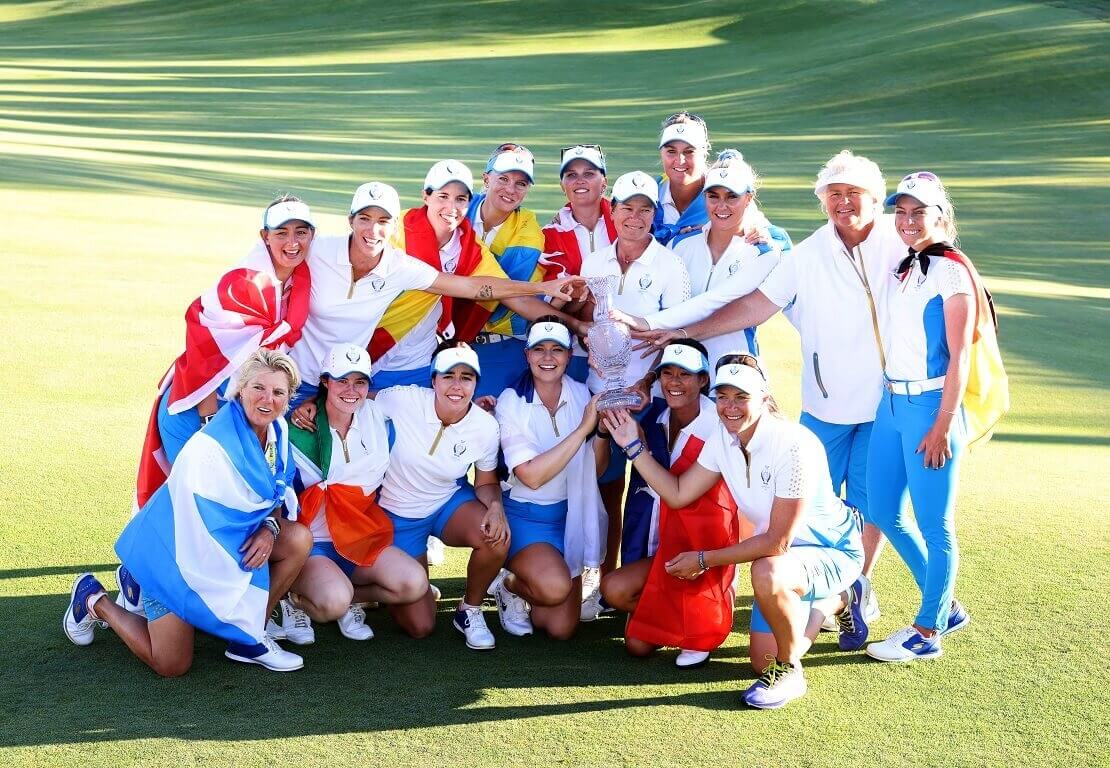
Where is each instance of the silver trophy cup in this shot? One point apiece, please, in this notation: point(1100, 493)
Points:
point(610, 346)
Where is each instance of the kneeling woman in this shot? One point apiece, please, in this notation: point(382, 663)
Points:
point(553, 504)
point(806, 546)
point(341, 466)
point(200, 545)
point(674, 430)
point(439, 434)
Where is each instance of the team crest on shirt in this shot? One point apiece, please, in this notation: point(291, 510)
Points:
point(450, 265)
point(733, 267)
point(921, 279)
point(645, 282)
point(377, 283)
point(765, 475)
point(459, 449)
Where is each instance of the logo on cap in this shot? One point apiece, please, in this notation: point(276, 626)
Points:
point(459, 449)
point(680, 129)
point(637, 181)
point(353, 355)
point(911, 184)
point(678, 351)
point(449, 168)
point(734, 369)
point(374, 191)
point(547, 327)
point(724, 174)
point(578, 150)
point(377, 283)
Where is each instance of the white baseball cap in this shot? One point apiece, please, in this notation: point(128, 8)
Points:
point(344, 359)
point(591, 153)
point(635, 183)
point(924, 186)
point(737, 178)
point(743, 377)
point(445, 171)
point(513, 157)
point(452, 356)
point(692, 132)
point(374, 193)
point(847, 168)
point(280, 214)
point(541, 332)
point(685, 357)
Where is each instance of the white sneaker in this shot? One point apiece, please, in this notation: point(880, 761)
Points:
point(437, 551)
point(691, 659)
point(275, 658)
point(871, 611)
point(352, 624)
point(77, 622)
point(273, 629)
point(130, 593)
point(295, 624)
point(906, 644)
point(512, 609)
point(472, 624)
point(591, 607)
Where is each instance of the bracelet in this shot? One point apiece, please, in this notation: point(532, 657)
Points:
point(271, 525)
point(600, 434)
point(637, 452)
point(685, 334)
point(631, 446)
point(701, 561)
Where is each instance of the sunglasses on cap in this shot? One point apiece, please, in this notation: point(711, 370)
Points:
point(511, 147)
point(925, 175)
point(742, 359)
point(678, 116)
point(595, 147)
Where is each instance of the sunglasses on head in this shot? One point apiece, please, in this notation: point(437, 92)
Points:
point(511, 147)
point(743, 359)
point(679, 116)
point(925, 175)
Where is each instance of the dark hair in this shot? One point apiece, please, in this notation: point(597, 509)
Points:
point(695, 344)
point(469, 193)
point(450, 344)
point(526, 380)
point(547, 319)
point(284, 197)
point(752, 362)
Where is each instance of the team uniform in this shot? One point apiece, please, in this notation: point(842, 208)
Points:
point(785, 460)
point(917, 358)
point(566, 511)
point(345, 310)
point(669, 221)
point(425, 482)
point(837, 299)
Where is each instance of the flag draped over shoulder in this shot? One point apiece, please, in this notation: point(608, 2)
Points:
point(411, 307)
point(183, 545)
point(517, 246)
point(359, 529)
point(695, 215)
point(223, 327)
point(562, 254)
point(694, 615)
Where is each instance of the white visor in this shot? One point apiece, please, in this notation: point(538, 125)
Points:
point(743, 377)
point(282, 213)
point(692, 133)
point(591, 155)
point(344, 359)
point(685, 357)
point(735, 179)
point(449, 358)
point(375, 193)
point(857, 177)
point(635, 183)
point(445, 171)
point(519, 159)
point(556, 332)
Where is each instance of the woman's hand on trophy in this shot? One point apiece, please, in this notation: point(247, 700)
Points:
point(632, 321)
point(651, 342)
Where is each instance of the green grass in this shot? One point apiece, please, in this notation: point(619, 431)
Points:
point(138, 141)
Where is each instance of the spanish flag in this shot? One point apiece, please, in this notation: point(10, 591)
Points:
point(408, 309)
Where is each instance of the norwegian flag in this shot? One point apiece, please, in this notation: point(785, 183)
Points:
point(562, 255)
point(245, 310)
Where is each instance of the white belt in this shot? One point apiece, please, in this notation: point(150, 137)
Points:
point(491, 338)
point(914, 387)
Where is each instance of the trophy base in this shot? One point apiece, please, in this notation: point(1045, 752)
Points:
point(619, 398)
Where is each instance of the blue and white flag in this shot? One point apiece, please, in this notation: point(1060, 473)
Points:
point(183, 545)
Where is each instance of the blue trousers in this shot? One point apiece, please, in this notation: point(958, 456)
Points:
point(927, 540)
point(502, 364)
point(846, 448)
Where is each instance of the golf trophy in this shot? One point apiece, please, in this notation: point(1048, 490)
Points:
point(610, 346)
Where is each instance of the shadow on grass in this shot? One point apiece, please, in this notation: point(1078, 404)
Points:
point(59, 693)
point(55, 570)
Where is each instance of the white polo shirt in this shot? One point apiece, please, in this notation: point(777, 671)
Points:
point(359, 459)
point(428, 458)
point(819, 283)
point(740, 270)
point(656, 280)
point(540, 431)
point(415, 348)
point(671, 214)
point(788, 462)
point(588, 240)
point(915, 336)
point(341, 311)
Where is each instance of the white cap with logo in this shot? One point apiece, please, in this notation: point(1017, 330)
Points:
point(541, 332)
point(452, 356)
point(691, 132)
point(635, 183)
point(344, 359)
point(282, 213)
point(445, 171)
point(737, 178)
point(924, 186)
point(374, 193)
point(517, 158)
point(743, 377)
point(591, 153)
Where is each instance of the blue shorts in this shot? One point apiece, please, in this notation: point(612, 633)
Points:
point(410, 535)
point(503, 363)
point(578, 369)
point(154, 609)
point(327, 549)
point(532, 523)
point(422, 377)
point(829, 571)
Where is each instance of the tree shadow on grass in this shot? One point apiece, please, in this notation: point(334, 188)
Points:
point(59, 693)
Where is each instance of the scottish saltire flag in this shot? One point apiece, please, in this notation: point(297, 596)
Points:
point(562, 254)
point(517, 246)
point(183, 545)
point(244, 311)
point(696, 215)
point(411, 307)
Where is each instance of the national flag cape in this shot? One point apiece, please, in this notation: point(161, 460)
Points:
point(562, 254)
point(694, 615)
point(987, 397)
point(359, 529)
point(408, 309)
point(223, 327)
point(517, 246)
point(695, 215)
point(183, 545)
